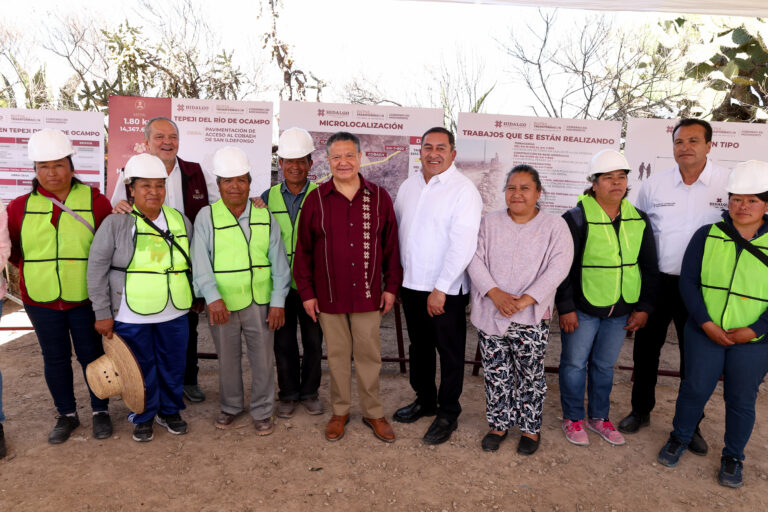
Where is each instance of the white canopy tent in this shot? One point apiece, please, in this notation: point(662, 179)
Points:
point(752, 8)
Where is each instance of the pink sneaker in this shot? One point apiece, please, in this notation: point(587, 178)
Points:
point(606, 431)
point(574, 432)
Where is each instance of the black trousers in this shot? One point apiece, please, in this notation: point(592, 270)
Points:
point(448, 334)
point(297, 381)
point(669, 307)
point(191, 369)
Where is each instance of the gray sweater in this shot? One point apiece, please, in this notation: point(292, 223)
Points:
point(113, 245)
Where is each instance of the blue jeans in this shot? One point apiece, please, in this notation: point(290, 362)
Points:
point(2, 414)
point(743, 368)
point(161, 351)
point(57, 332)
point(588, 354)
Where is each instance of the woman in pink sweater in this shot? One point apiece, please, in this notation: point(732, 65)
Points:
point(522, 256)
point(5, 252)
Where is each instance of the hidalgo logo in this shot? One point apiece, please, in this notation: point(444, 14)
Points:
point(497, 124)
point(670, 129)
point(180, 107)
point(139, 105)
point(321, 112)
point(719, 203)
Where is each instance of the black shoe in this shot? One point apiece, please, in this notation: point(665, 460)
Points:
point(491, 441)
point(440, 431)
point(102, 425)
point(63, 429)
point(193, 393)
point(670, 453)
point(730, 472)
point(528, 446)
point(698, 446)
point(2, 442)
point(172, 422)
point(412, 412)
point(142, 432)
point(634, 422)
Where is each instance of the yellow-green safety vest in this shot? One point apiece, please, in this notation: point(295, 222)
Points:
point(609, 269)
point(287, 228)
point(56, 257)
point(241, 266)
point(734, 286)
point(158, 270)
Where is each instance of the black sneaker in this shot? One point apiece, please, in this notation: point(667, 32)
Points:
point(142, 432)
point(730, 472)
point(63, 429)
point(2, 442)
point(102, 425)
point(172, 422)
point(670, 453)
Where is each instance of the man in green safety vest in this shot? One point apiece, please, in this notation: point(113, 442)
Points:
point(241, 270)
point(296, 382)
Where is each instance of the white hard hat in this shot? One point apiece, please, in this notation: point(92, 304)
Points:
point(750, 177)
point(607, 160)
point(295, 143)
point(229, 162)
point(47, 145)
point(144, 166)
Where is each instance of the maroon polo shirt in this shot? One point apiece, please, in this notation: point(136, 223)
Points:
point(344, 248)
point(101, 209)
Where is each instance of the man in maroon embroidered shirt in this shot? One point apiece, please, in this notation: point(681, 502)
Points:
point(347, 241)
point(188, 189)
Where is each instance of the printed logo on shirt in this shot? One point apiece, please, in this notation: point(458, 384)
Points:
point(661, 205)
point(197, 195)
point(719, 203)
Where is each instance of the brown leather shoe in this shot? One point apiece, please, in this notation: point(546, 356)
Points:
point(381, 429)
point(224, 420)
point(335, 428)
point(264, 427)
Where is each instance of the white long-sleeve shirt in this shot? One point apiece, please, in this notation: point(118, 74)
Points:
point(437, 225)
point(677, 210)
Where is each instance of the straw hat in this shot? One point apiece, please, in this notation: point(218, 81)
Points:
point(117, 372)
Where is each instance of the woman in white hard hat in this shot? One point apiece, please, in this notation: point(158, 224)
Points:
point(51, 230)
point(139, 283)
point(609, 291)
point(724, 283)
point(522, 255)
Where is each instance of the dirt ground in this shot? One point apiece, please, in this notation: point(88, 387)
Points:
point(296, 469)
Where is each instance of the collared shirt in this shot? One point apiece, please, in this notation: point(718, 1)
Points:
point(174, 195)
point(203, 277)
point(344, 247)
point(677, 210)
point(292, 202)
point(438, 224)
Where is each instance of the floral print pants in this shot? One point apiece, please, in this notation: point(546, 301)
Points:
point(515, 386)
